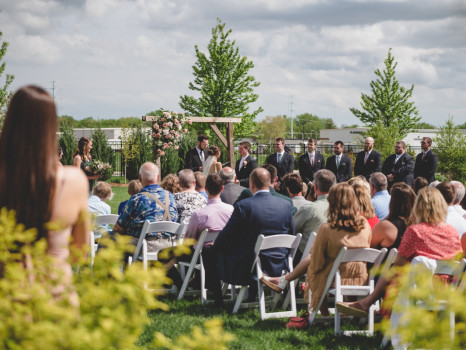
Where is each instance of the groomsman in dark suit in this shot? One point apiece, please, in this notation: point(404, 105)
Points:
point(339, 164)
point(310, 162)
point(196, 157)
point(368, 161)
point(245, 165)
point(283, 161)
point(426, 162)
point(399, 167)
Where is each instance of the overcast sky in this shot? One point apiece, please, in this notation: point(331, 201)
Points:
point(119, 58)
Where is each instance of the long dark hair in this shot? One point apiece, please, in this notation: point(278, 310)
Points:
point(83, 141)
point(402, 203)
point(28, 157)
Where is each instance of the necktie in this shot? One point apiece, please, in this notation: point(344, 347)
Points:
point(365, 158)
point(338, 162)
point(202, 156)
point(312, 160)
point(423, 155)
point(279, 157)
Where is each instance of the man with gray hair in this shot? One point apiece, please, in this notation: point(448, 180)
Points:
point(459, 187)
point(380, 197)
point(231, 190)
point(151, 203)
point(313, 214)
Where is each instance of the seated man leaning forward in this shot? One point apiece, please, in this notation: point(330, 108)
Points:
point(152, 203)
point(231, 257)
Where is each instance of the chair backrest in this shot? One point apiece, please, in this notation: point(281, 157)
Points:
point(154, 227)
point(109, 219)
point(308, 247)
point(368, 255)
point(181, 231)
point(276, 241)
point(451, 268)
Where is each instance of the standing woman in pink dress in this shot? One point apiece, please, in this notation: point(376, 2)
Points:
point(82, 159)
point(35, 187)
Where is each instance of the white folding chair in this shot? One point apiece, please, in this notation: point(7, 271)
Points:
point(93, 247)
point(268, 242)
point(140, 252)
point(196, 263)
point(99, 220)
point(366, 255)
point(306, 252)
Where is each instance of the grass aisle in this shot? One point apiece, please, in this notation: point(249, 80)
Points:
point(250, 331)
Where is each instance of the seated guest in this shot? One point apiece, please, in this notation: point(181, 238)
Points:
point(459, 187)
point(151, 203)
point(294, 185)
point(188, 200)
point(200, 183)
point(101, 193)
point(360, 180)
point(212, 217)
point(431, 238)
point(231, 190)
point(232, 255)
point(380, 197)
point(134, 186)
point(273, 175)
point(345, 227)
point(365, 204)
point(171, 183)
point(389, 232)
point(419, 182)
point(453, 217)
point(312, 215)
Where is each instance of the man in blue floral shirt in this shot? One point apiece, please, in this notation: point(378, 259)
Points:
point(151, 203)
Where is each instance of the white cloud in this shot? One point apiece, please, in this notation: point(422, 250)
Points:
point(35, 50)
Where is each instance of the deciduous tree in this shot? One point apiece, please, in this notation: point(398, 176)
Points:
point(5, 94)
point(272, 127)
point(222, 79)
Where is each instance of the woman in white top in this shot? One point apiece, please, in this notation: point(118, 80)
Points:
point(211, 165)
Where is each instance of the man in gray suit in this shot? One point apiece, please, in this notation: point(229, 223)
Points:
point(231, 191)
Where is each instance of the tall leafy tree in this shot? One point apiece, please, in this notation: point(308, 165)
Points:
point(272, 127)
point(5, 94)
point(388, 109)
point(67, 142)
point(308, 125)
point(222, 79)
point(101, 150)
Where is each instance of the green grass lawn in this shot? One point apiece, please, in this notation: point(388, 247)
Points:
point(250, 331)
point(120, 194)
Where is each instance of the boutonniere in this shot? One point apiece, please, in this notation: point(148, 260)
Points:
point(318, 161)
point(371, 161)
point(245, 163)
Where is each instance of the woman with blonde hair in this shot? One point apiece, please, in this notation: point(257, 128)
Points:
point(431, 238)
point(365, 204)
point(37, 188)
point(171, 183)
point(82, 159)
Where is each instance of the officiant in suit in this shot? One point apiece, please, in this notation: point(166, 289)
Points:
point(310, 162)
point(283, 161)
point(426, 161)
point(368, 161)
point(245, 165)
point(399, 167)
point(339, 164)
point(196, 157)
point(231, 257)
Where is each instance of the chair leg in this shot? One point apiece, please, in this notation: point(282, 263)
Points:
point(185, 283)
point(203, 289)
point(239, 300)
point(261, 300)
point(370, 320)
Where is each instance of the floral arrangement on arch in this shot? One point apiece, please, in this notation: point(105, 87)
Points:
point(166, 131)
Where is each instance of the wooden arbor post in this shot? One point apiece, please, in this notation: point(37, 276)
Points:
point(227, 141)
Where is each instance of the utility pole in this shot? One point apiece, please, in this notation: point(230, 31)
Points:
point(291, 115)
point(53, 90)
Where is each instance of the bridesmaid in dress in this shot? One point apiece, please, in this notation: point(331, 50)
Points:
point(82, 158)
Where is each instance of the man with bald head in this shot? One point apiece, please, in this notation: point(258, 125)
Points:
point(231, 190)
point(151, 203)
point(232, 255)
point(368, 161)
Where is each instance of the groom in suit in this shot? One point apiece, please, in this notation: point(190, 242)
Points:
point(368, 161)
point(339, 164)
point(231, 257)
point(196, 157)
point(310, 162)
point(283, 161)
point(399, 167)
point(245, 165)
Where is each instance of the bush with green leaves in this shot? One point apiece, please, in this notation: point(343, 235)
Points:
point(67, 142)
point(113, 306)
point(101, 149)
point(142, 140)
point(450, 147)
